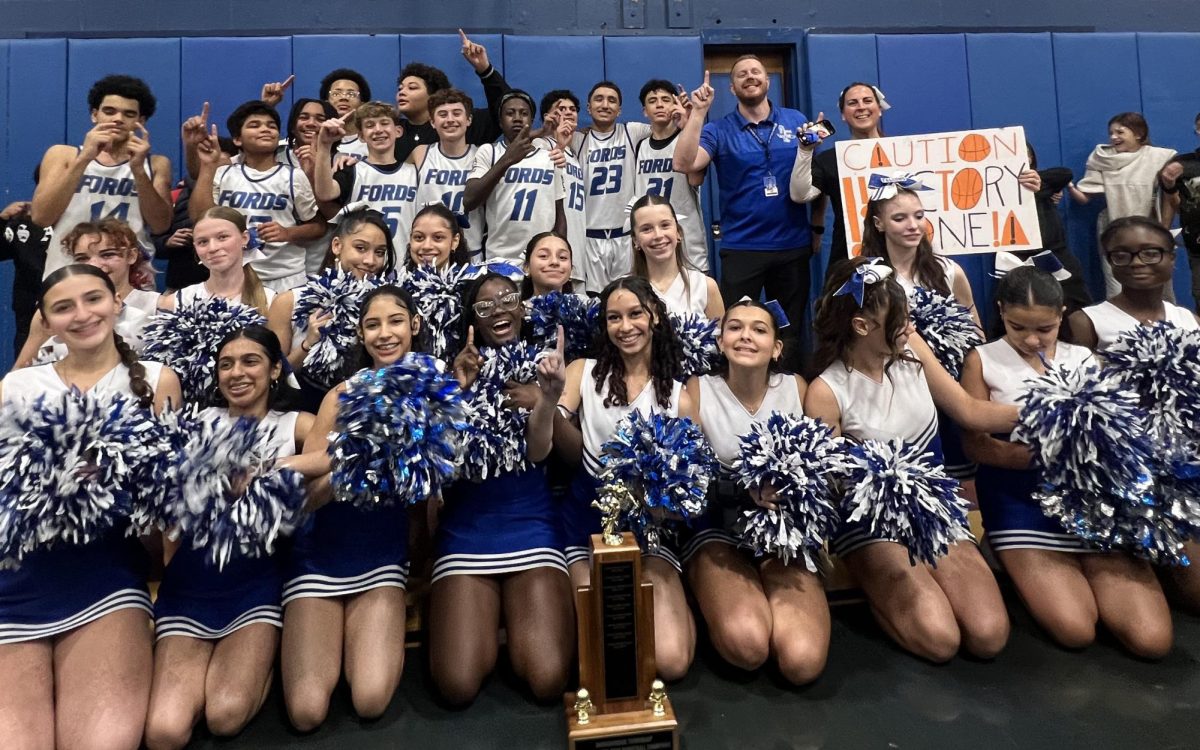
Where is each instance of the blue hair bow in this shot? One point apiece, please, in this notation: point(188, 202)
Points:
point(871, 272)
point(776, 310)
point(883, 187)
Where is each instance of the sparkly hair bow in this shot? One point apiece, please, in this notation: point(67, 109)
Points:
point(884, 188)
point(776, 310)
point(871, 272)
point(1045, 260)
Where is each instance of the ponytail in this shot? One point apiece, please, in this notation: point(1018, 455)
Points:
point(137, 372)
point(253, 294)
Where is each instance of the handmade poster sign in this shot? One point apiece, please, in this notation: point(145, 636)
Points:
point(967, 182)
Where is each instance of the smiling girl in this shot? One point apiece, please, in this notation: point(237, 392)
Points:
point(660, 257)
point(220, 239)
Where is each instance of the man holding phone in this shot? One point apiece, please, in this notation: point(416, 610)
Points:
point(766, 243)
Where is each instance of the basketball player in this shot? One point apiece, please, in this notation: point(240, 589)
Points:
point(560, 115)
point(443, 168)
point(517, 182)
point(656, 172)
point(112, 175)
point(277, 199)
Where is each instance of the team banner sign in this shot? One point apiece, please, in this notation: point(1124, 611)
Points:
point(967, 182)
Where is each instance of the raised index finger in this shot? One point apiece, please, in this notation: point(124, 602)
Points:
point(284, 86)
point(560, 347)
point(462, 35)
point(470, 336)
point(204, 114)
point(706, 79)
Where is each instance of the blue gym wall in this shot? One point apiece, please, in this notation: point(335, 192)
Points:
point(1061, 86)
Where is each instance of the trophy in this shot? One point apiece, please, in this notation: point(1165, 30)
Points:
point(620, 702)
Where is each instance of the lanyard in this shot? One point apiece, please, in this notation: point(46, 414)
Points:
point(765, 144)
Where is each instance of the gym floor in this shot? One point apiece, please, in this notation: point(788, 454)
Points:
point(872, 695)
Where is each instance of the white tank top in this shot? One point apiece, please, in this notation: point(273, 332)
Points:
point(190, 295)
point(598, 422)
point(610, 166)
point(130, 325)
point(103, 192)
point(725, 420)
point(282, 195)
point(390, 191)
point(522, 203)
point(1111, 321)
point(142, 299)
point(899, 407)
point(656, 175)
point(283, 442)
point(1007, 375)
point(949, 267)
point(681, 299)
point(23, 387)
point(443, 179)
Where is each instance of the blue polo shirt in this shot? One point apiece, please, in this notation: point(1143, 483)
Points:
point(743, 155)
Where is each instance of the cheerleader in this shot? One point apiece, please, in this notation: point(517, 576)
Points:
point(636, 368)
point(436, 239)
point(220, 238)
point(75, 654)
point(217, 631)
point(880, 381)
point(344, 597)
point(1066, 589)
point(753, 610)
point(499, 548)
point(548, 265)
point(659, 257)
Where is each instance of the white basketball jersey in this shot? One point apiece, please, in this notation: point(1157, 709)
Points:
point(353, 145)
point(575, 206)
point(610, 171)
point(522, 203)
point(656, 175)
point(282, 195)
point(390, 190)
point(443, 179)
point(102, 193)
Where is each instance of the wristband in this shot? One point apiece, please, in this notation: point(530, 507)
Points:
point(1169, 190)
point(817, 228)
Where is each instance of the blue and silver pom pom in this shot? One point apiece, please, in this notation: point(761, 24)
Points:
point(494, 441)
point(438, 297)
point(338, 293)
point(74, 468)
point(577, 316)
point(1161, 364)
point(946, 326)
point(399, 433)
point(801, 460)
point(229, 502)
point(900, 493)
point(698, 335)
point(667, 464)
point(185, 340)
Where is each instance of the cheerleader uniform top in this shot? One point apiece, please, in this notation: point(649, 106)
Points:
point(57, 590)
point(692, 298)
point(598, 422)
point(1111, 321)
point(726, 420)
point(198, 600)
point(949, 268)
point(189, 295)
point(1007, 375)
point(899, 406)
point(141, 299)
point(130, 325)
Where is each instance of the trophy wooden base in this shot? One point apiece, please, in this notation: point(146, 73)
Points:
point(626, 730)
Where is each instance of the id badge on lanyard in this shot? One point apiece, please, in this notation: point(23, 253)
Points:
point(770, 186)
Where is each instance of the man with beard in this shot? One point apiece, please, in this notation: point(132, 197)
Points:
point(766, 244)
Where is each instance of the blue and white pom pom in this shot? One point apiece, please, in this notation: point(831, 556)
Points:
point(73, 469)
point(801, 459)
point(399, 433)
point(1088, 439)
point(698, 335)
point(667, 464)
point(185, 339)
point(220, 455)
point(900, 493)
point(946, 326)
point(1161, 364)
point(493, 442)
point(338, 293)
point(438, 297)
point(577, 316)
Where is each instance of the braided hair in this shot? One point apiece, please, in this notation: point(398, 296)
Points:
point(665, 350)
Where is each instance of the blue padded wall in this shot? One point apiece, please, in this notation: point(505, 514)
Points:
point(6, 269)
point(377, 57)
point(445, 51)
point(542, 63)
point(679, 60)
point(40, 69)
point(226, 71)
point(156, 61)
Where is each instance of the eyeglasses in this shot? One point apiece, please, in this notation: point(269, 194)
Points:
point(343, 94)
point(1148, 255)
point(487, 308)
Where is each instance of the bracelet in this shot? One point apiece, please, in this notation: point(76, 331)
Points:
point(305, 349)
point(817, 228)
point(1169, 190)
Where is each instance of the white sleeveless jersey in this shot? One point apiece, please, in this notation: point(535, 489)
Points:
point(1111, 321)
point(283, 440)
point(575, 207)
point(949, 269)
point(391, 190)
point(598, 422)
point(1007, 375)
point(610, 170)
point(191, 294)
point(692, 298)
point(23, 387)
point(142, 299)
point(443, 179)
point(353, 145)
point(522, 203)
point(102, 193)
point(725, 420)
point(656, 175)
point(898, 407)
point(282, 195)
